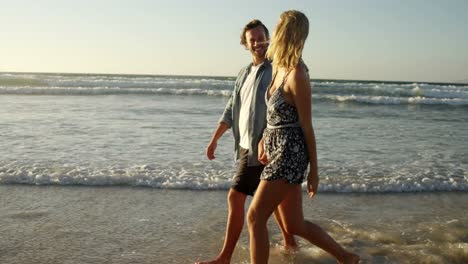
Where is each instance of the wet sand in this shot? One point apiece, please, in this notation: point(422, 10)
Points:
point(52, 224)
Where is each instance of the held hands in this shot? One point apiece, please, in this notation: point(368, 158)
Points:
point(312, 182)
point(262, 157)
point(210, 150)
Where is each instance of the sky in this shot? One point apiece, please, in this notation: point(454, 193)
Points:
point(396, 40)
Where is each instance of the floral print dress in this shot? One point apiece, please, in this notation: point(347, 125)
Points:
point(285, 145)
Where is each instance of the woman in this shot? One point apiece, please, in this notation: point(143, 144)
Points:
point(288, 146)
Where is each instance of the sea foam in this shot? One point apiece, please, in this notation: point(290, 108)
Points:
point(210, 178)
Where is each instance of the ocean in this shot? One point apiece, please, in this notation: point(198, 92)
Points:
point(113, 134)
point(84, 129)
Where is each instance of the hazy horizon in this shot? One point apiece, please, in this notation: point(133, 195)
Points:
point(462, 82)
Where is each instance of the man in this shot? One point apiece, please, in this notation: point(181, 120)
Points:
point(245, 113)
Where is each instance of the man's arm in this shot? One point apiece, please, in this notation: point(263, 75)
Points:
point(226, 117)
point(224, 123)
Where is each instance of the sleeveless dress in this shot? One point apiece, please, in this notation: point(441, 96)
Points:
point(285, 145)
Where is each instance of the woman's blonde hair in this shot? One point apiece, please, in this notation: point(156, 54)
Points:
point(288, 39)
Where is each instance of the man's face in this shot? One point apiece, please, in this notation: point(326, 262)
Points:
point(257, 42)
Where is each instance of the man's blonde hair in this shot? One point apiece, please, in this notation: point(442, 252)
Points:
point(288, 39)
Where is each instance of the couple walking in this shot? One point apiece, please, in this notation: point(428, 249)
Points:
point(269, 112)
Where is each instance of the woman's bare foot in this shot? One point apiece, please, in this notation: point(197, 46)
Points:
point(350, 258)
point(218, 260)
point(290, 245)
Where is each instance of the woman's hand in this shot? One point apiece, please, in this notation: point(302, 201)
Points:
point(262, 157)
point(312, 182)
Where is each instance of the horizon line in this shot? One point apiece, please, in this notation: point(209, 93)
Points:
point(457, 83)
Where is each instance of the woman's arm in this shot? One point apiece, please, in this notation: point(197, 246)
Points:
point(262, 157)
point(299, 88)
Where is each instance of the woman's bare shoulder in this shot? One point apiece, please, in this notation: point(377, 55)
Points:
point(299, 77)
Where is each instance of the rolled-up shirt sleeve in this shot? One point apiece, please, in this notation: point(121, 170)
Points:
point(226, 117)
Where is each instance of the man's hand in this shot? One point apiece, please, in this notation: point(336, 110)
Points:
point(210, 150)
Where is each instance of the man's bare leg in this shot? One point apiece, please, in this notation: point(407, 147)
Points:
point(235, 223)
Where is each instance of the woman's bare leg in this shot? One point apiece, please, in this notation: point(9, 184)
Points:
point(267, 198)
point(289, 242)
point(291, 209)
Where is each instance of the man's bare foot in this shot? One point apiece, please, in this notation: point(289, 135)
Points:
point(350, 258)
point(218, 260)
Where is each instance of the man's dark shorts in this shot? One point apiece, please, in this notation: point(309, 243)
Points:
point(247, 178)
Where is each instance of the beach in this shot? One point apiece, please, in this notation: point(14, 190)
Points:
point(100, 168)
point(117, 144)
point(50, 224)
